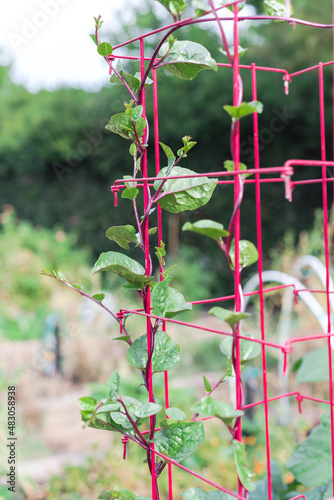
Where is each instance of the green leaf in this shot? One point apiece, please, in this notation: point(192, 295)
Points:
point(279, 488)
point(87, 403)
point(130, 80)
point(311, 463)
point(167, 273)
point(199, 494)
point(244, 109)
point(165, 354)
point(184, 194)
point(200, 7)
point(179, 440)
point(121, 265)
point(130, 193)
point(121, 494)
point(187, 145)
point(175, 7)
point(125, 338)
point(230, 317)
point(207, 385)
point(78, 287)
point(314, 366)
point(104, 49)
point(248, 253)
point(186, 59)
point(118, 415)
point(241, 51)
point(175, 414)
point(123, 235)
point(121, 124)
point(137, 113)
point(93, 37)
point(243, 472)
point(276, 8)
point(230, 167)
point(147, 410)
point(99, 297)
point(208, 407)
point(231, 7)
point(161, 252)
point(229, 372)
point(207, 227)
point(248, 348)
point(113, 385)
point(168, 302)
point(321, 492)
point(167, 150)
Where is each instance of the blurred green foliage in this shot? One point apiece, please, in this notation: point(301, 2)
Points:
point(24, 251)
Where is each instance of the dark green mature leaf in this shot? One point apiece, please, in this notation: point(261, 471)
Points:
point(121, 124)
point(314, 366)
point(248, 253)
point(168, 302)
point(179, 440)
point(208, 407)
point(176, 414)
point(199, 494)
point(122, 265)
point(130, 80)
point(230, 317)
point(130, 193)
point(207, 227)
point(320, 492)
point(244, 109)
point(311, 463)
point(184, 194)
point(244, 475)
point(186, 59)
point(104, 49)
point(279, 488)
point(113, 385)
point(276, 8)
point(248, 348)
point(123, 235)
point(118, 415)
point(165, 355)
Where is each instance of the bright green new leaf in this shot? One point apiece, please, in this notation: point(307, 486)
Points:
point(123, 235)
point(118, 415)
point(184, 194)
point(104, 49)
point(165, 354)
point(244, 109)
point(179, 440)
point(175, 414)
point(248, 348)
point(136, 113)
point(208, 407)
point(121, 494)
point(99, 297)
point(186, 59)
point(200, 7)
point(174, 7)
point(199, 494)
point(276, 8)
point(93, 37)
point(248, 253)
point(207, 227)
point(231, 7)
point(147, 410)
point(244, 475)
point(113, 385)
point(230, 167)
point(78, 287)
point(230, 317)
point(168, 302)
point(161, 252)
point(207, 385)
point(122, 265)
point(314, 366)
point(130, 80)
point(130, 193)
point(87, 404)
point(167, 150)
point(311, 463)
point(125, 338)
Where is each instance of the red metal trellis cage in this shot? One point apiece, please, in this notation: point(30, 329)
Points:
point(279, 174)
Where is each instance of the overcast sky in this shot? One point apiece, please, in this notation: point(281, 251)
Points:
point(48, 43)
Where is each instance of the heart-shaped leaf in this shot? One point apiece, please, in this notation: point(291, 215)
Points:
point(248, 254)
point(314, 366)
point(99, 297)
point(168, 302)
point(230, 317)
point(113, 385)
point(122, 125)
point(184, 193)
point(176, 414)
point(122, 265)
point(248, 348)
point(244, 109)
point(104, 49)
point(207, 227)
point(186, 59)
point(147, 410)
point(123, 235)
point(179, 440)
point(165, 354)
point(208, 407)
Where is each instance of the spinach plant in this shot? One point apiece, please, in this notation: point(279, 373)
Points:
point(174, 189)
